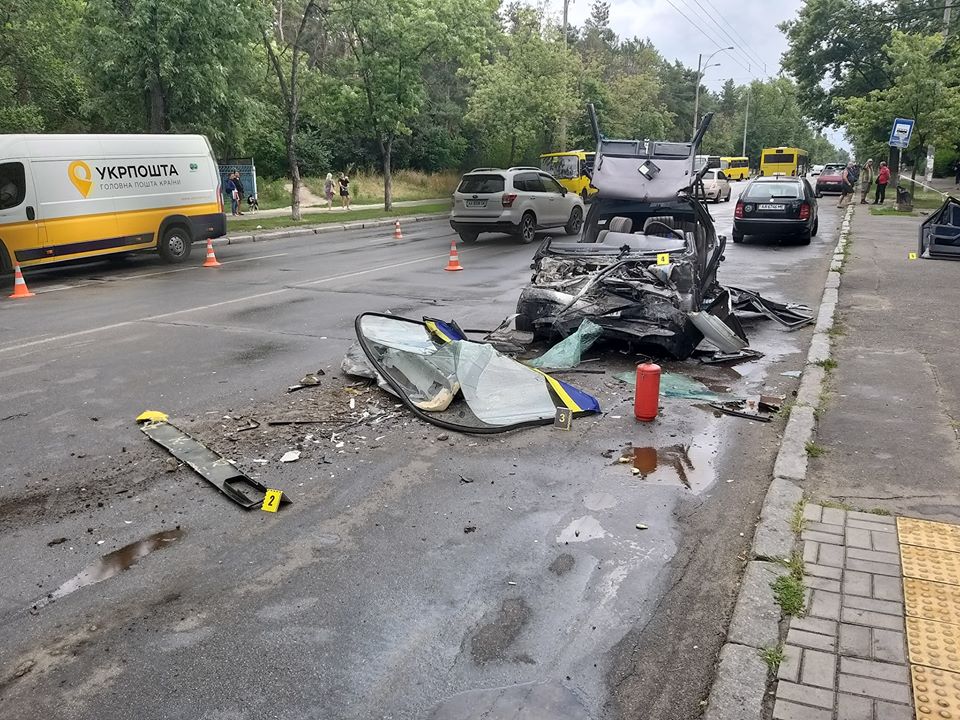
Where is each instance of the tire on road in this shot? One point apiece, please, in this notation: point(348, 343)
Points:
point(816, 227)
point(736, 237)
point(575, 223)
point(468, 237)
point(527, 232)
point(175, 244)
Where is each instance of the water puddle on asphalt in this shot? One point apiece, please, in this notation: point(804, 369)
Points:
point(112, 564)
point(690, 465)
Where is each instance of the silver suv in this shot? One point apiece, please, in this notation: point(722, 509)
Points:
point(518, 201)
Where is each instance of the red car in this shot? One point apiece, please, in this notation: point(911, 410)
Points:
point(830, 180)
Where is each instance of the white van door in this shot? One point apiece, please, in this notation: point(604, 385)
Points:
point(18, 211)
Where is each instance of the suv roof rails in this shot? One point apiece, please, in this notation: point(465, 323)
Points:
point(486, 169)
point(525, 167)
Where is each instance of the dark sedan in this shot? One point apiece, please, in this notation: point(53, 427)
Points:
point(829, 180)
point(776, 207)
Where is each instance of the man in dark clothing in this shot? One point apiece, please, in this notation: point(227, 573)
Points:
point(239, 186)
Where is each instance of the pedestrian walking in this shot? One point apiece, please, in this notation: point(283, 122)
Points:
point(234, 195)
point(328, 190)
point(238, 185)
point(344, 183)
point(883, 179)
point(848, 179)
point(866, 180)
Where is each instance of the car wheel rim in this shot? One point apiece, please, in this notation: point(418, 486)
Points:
point(577, 221)
point(528, 229)
point(176, 245)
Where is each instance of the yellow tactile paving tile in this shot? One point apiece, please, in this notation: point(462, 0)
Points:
point(932, 600)
point(936, 693)
point(929, 564)
point(929, 534)
point(933, 644)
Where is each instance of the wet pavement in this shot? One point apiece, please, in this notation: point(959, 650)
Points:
point(367, 597)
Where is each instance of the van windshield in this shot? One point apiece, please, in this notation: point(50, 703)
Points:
point(481, 184)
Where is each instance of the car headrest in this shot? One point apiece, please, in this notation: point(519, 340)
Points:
point(663, 219)
point(620, 224)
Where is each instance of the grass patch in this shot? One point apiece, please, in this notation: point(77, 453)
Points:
point(788, 592)
point(784, 411)
point(891, 211)
point(772, 656)
point(796, 520)
point(828, 364)
point(270, 194)
point(814, 450)
point(879, 511)
point(324, 217)
point(794, 564)
point(837, 330)
point(367, 188)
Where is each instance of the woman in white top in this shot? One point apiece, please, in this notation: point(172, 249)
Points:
point(328, 190)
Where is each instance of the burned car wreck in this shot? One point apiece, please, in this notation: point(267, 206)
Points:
point(645, 267)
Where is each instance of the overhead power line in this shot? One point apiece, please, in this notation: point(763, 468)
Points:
point(742, 42)
point(702, 29)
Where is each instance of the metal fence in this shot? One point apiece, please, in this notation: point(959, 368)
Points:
point(247, 170)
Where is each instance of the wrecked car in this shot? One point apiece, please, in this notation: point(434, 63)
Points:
point(940, 232)
point(646, 261)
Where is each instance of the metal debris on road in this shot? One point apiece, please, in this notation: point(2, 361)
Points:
point(749, 409)
point(214, 468)
point(290, 456)
point(308, 380)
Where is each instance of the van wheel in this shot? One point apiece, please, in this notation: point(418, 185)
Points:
point(175, 244)
point(528, 228)
point(6, 267)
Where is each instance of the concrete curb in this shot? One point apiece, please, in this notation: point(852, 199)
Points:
point(741, 678)
point(323, 229)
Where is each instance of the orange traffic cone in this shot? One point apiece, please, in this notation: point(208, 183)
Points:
point(397, 235)
point(454, 262)
point(211, 260)
point(19, 286)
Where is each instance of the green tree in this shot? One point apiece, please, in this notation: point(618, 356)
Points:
point(176, 65)
point(391, 43)
point(925, 86)
point(520, 96)
point(41, 84)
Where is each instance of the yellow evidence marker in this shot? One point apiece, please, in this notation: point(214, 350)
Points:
point(271, 500)
point(912, 256)
point(663, 258)
point(563, 419)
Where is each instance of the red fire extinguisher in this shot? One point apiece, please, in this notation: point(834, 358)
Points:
point(646, 401)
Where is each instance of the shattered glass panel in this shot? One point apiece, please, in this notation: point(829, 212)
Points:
point(462, 385)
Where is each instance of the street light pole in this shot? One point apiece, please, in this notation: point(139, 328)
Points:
point(562, 130)
point(702, 68)
point(746, 119)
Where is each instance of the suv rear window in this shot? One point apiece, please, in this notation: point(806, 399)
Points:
point(762, 191)
point(481, 184)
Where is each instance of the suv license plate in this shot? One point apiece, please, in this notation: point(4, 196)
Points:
point(475, 203)
point(772, 206)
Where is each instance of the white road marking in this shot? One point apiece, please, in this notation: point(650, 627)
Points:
point(318, 281)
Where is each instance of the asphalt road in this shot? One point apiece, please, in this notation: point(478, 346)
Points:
point(367, 597)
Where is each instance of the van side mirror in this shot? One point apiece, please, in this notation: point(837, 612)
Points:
point(31, 215)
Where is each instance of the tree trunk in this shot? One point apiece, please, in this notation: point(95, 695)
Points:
point(294, 169)
point(158, 110)
point(386, 153)
point(513, 148)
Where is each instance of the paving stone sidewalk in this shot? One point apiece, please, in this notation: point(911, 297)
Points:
point(847, 658)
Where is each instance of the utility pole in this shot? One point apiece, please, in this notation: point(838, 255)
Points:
point(696, 97)
point(746, 119)
point(931, 151)
point(562, 130)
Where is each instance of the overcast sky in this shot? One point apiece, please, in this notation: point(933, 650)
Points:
point(754, 31)
point(682, 29)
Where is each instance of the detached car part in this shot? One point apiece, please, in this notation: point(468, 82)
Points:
point(452, 382)
point(940, 232)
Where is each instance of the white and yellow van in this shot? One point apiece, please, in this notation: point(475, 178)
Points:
point(64, 197)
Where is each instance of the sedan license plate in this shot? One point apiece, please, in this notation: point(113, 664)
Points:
point(773, 206)
point(475, 203)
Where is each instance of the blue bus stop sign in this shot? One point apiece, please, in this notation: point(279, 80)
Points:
point(900, 133)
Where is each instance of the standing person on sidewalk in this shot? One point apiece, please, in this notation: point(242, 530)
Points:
point(234, 195)
point(848, 179)
point(956, 170)
point(883, 178)
point(866, 180)
point(238, 184)
point(328, 190)
point(344, 183)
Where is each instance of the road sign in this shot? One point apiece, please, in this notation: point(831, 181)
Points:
point(900, 133)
